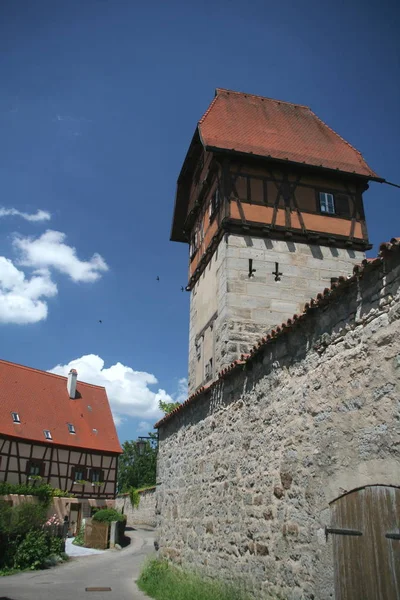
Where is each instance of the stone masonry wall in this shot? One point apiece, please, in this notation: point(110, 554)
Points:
point(230, 311)
point(247, 470)
point(144, 514)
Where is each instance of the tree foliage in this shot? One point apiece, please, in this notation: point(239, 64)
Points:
point(168, 407)
point(137, 469)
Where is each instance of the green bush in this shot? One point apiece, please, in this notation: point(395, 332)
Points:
point(32, 551)
point(26, 517)
point(44, 491)
point(108, 515)
point(79, 539)
point(134, 497)
point(162, 581)
point(23, 542)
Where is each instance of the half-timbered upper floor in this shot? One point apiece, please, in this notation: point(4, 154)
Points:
point(268, 168)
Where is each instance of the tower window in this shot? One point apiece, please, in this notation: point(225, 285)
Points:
point(15, 417)
point(47, 434)
point(208, 369)
point(214, 204)
point(71, 428)
point(327, 203)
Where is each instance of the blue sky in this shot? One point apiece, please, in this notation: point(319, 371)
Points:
point(99, 102)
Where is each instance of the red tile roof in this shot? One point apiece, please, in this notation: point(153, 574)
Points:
point(42, 402)
point(321, 300)
point(280, 130)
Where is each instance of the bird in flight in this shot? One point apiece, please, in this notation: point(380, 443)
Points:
point(158, 279)
point(100, 321)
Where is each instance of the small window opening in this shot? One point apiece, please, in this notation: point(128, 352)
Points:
point(79, 473)
point(94, 430)
point(327, 203)
point(214, 204)
point(208, 369)
point(71, 428)
point(35, 469)
point(15, 417)
point(47, 434)
point(95, 475)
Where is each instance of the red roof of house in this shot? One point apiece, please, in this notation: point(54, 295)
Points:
point(42, 402)
point(280, 130)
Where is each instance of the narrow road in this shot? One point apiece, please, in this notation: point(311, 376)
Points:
point(117, 569)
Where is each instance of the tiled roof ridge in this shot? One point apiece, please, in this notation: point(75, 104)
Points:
point(360, 156)
point(8, 362)
point(322, 299)
point(261, 97)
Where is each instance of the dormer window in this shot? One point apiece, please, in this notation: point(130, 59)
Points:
point(47, 434)
point(15, 417)
point(71, 428)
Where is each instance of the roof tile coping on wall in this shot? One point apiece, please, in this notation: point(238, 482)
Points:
point(139, 491)
point(322, 299)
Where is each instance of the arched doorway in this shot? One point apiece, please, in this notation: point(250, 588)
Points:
point(365, 530)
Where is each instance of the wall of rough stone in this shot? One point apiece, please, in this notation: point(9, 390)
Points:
point(144, 514)
point(247, 470)
point(230, 311)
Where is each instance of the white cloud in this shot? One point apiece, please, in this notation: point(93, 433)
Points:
point(22, 300)
point(128, 390)
point(144, 426)
point(39, 215)
point(182, 393)
point(50, 251)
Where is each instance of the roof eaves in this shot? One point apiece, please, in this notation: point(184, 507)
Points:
point(322, 299)
point(362, 160)
point(286, 161)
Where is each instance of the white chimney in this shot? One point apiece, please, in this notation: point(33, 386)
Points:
point(71, 383)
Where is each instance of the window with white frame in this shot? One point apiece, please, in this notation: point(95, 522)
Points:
point(15, 417)
point(71, 428)
point(327, 203)
point(214, 204)
point(47, 434)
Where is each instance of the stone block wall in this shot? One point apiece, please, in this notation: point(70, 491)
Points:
point(246, 471)
point(230, 311)
point(144, 514)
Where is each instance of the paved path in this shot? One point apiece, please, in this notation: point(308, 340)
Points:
point(117, 569)
point(73, 550)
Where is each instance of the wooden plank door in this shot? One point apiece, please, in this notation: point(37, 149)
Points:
point(365, 528)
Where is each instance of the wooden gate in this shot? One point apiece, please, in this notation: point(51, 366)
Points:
point(97, 534)
point(365, 528)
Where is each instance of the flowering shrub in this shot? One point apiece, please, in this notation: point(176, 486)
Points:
point(53, 520)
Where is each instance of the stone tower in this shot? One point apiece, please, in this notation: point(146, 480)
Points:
point(269, 200)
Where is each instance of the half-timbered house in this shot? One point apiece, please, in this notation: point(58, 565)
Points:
point(59, 431)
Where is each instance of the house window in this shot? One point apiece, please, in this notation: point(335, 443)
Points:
point(214, 204)
point(327, 203)
point(47, 434)
point(78, 473)
point(71, 428)
point(15, 417)
point(35, 468)
point(96, 475)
